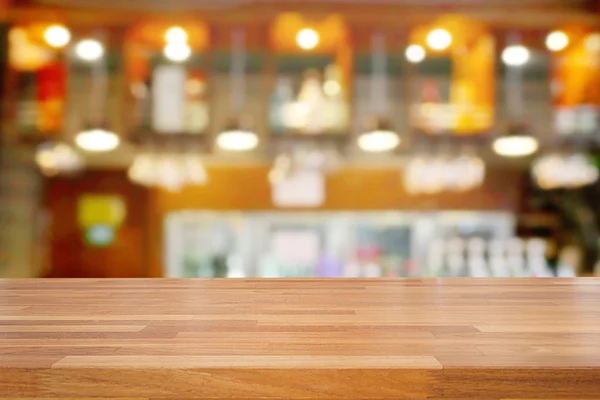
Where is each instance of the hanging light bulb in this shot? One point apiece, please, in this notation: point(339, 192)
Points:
point(557, 41)
point(57, 36)
point(515, 146)
point(89, 50)
point(515, 56)
point(380, 138)
point(307, 39)
point(415, 53)
point(176, 34)
point(97, 140)
point(439, 39)
point(177, 52)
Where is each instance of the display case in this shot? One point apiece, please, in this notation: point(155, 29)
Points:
point(452, 83)
point(327, 244)
point(168, 86)
point(311, 67)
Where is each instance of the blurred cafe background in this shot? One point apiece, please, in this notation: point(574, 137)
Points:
point(283, 138)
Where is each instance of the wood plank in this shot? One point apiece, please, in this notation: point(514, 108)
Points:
point(300, 339)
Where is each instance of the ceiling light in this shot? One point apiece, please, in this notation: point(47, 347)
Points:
point(237, 140)
point(97, 140)
point(515, 145)
point(515, 56)
point(89, 50)
point(307, 39)
point(57, 36)
point(439, 39)
point(557, 41)
point(176, 34)
point(378, 141)
point(177, 52)
point(415, 53)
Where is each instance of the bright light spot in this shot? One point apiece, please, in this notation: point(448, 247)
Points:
point(307, 39)
point(237, 140)
point(176, 34)
point(515, 56)
point(515, 146)
point(415, 53)
point(177, 52)
point(439, 39)
point(378, 141)
point(557, 41)
point(592, 43)
point(89, 50)
point(57, 36)
point(332, 88)
point(97, 140)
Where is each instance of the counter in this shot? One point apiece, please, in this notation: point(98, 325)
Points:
point(300, 339)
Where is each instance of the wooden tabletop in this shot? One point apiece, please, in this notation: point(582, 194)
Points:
point(300, 339)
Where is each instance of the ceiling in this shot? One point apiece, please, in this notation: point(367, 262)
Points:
point(181, 5)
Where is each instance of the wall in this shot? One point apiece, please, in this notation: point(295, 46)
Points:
point(247, 188)
point(137, 250)
point(70, 256)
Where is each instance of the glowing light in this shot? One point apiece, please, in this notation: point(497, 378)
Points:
point(307, 39)
point(378, 141)
point(439, 39)
point(89, 50)
point(415, 53)
point(176, 34)
point(557, 41)
point(97, 140)
point(515, 146)
point(515, 56)
point(237, 140)
point(57, 36)
point(177, 52)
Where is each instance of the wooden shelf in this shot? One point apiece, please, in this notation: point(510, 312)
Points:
point(301, 339)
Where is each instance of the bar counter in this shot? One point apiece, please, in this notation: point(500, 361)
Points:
point(167, 339)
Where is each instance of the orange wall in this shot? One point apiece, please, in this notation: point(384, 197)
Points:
point(138, 247)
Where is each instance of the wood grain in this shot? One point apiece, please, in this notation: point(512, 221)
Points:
point(300, 339)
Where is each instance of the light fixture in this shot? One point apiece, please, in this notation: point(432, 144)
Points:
point(176, 34)
point(237, 140)
point(379, 138)
point(89, 50)
point(57, 36)
point(515, 55)
point(557, 41)
point(415, 53)
point(307, 38)
point(97, 140)
point(177, 52)
point(515, 145)
point(439, 39)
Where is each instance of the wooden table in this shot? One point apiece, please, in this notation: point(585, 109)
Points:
point(300, 339)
